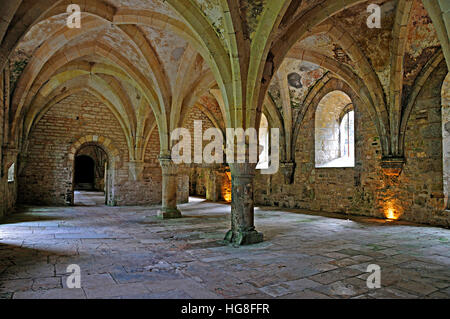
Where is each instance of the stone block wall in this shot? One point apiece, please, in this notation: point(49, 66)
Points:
point(417, 195)
point(8, 190)
point(147, 190)
point(421, 184)
point(46, 175)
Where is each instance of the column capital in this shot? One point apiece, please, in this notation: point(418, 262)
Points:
point(392, 165)
point(243, 170)
point(165, 158)
point(167, 165)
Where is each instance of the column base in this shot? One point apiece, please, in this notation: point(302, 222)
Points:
point(244, 238)
point(169, 213)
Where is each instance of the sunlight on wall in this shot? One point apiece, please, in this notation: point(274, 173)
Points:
point(264, 143)
point(226, 188)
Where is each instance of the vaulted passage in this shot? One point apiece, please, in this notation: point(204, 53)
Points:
point(313, 135)
point(84, 173)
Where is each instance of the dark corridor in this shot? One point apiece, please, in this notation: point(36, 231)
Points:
point(84, 173)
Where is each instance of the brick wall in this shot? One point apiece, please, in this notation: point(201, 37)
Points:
point(46, 177)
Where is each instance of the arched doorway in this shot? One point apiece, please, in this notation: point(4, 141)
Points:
point(90, 175)
point(107, 157)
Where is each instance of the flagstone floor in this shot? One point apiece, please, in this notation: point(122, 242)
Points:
point(126, 252)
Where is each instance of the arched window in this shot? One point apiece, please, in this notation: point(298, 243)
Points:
point(347, 135)
point(335, 131)
point(264, 143)
point(11, 173)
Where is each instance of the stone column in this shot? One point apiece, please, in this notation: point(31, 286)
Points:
point(214, 183)
point(243, 230)
point(182, 184)
point(169, 189)
point(211, 186)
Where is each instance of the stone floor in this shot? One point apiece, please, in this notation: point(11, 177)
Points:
point(82, 198)
point(126, 252)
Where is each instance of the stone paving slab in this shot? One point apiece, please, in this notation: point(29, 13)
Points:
point(126, 252)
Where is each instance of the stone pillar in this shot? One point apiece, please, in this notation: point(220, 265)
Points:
point(243, 230)
point(169, 189)
point(211, 186)
point(182, 184)
point(214, 183)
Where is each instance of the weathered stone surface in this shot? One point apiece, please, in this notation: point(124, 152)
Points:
point(115, 88)
point(243, 230)
point(134, 258)
point(364, 189)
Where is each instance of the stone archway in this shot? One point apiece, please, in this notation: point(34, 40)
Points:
point(112, 165)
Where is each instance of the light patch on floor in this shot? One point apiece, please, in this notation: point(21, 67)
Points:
point(84, 198)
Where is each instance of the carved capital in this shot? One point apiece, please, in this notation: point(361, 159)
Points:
point(169, 168)
point(243, 170)
point(392, 166)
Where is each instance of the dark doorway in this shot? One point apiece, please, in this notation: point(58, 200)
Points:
point(90, 178)
point(84, 173)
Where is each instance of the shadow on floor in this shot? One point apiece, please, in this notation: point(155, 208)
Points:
point(21, 216)
point(18, 262)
